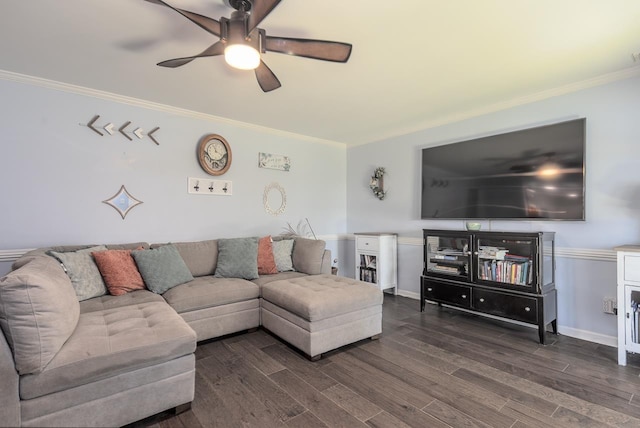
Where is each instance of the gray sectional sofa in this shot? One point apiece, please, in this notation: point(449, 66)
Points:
point(111, 360)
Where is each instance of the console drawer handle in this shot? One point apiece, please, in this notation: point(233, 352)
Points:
point(429, 289)
point(527, 309)
point(481, 299)
point(464, 296)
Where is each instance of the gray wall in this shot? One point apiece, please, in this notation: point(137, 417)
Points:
point(55, 173)
point(612, 195)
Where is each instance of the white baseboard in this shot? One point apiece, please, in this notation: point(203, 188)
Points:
point(590, 336)
point(564, 330)
point(409, 294)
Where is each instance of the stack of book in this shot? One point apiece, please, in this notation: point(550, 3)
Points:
point(513, 269)
point(488, 252)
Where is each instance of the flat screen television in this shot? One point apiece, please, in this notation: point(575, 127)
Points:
point(530, 174)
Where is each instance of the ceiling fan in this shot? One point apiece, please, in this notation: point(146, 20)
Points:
point(242, 42)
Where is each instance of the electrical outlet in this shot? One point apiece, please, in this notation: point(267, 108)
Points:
point(609, 305)
point(207, 186)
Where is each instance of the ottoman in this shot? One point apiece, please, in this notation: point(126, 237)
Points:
point(319, 313)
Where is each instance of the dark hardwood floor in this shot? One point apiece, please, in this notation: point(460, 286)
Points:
point(440, 368)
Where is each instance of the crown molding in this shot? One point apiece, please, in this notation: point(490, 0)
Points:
point(604, 79)
point(149, 105)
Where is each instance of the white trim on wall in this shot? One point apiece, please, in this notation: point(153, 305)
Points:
point(602, 255)
point(81, 90)
point(527, 99)
point(11, 255)
point(136, 102)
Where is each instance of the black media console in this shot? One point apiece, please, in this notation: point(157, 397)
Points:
point(506, 274)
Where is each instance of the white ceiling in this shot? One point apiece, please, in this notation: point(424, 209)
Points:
point(415, 63)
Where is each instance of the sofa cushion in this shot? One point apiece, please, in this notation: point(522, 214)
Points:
point(265, 279)
point(111, 342)
point(38, 312)
point(237, 258)
point(109, 301)
point(200, 257)
point(83, 271)
point(282, 254)
point(162, 268)
point(307, 255)
point(266, 261)
point(317, 297)
point(208, 291)
point(119, 271)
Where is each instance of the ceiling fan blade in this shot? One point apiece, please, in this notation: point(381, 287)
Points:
point(204, 22)
point(213, 50)
point(266, 79)
point(259, 11)
point(309, 48)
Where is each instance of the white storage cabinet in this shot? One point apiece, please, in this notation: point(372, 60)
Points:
point(377, 259)
point(628, 301)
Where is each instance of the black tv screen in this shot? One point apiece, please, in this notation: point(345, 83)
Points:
point(535, 173)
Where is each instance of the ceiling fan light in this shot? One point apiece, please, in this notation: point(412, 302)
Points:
point(242, 56)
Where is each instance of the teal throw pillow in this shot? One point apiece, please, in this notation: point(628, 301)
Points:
point(237, 258)
point(162, 268)
point(82, 271)
point(282, 254)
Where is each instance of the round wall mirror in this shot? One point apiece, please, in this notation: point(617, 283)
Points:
point(274, 199)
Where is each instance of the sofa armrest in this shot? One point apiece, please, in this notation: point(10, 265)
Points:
point(326, 262)
point(9, 392)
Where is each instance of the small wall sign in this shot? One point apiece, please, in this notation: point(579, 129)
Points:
point(271, 161)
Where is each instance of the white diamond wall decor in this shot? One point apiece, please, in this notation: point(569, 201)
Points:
point(109, 128)
point(123, 202)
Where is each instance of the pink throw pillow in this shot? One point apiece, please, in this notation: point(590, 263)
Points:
point(119, 271)
point(266, 261)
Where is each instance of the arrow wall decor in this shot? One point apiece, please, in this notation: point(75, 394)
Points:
point(109, 128)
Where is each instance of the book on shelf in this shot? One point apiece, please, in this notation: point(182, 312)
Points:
point(445, 269)
point(368, 275)
point(505, 271)
point(448, 262)
point(634, 321)
point(489, 252)
point(368, 261)
point(443, 256)
point(516, 257)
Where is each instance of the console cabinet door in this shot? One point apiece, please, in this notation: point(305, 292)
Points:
point(451, 294)
point(519, 308)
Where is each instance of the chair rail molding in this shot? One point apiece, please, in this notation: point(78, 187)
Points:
point(603, 255)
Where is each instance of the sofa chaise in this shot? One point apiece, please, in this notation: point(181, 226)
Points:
point(109, 360)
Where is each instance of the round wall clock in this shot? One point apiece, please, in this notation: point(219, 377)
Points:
point(214, 154)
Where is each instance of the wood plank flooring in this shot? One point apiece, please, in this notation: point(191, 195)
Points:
point(439, 368)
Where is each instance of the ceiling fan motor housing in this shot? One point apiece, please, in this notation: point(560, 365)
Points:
point(236, 31)
point(241, 5)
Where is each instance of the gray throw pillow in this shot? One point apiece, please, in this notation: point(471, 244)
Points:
point(307, 255)
point(237, 258)
point(39, 312)
point(162, 268)
point(282, 254)
point(83, 271)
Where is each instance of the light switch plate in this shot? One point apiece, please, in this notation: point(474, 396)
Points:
point(208, 186)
